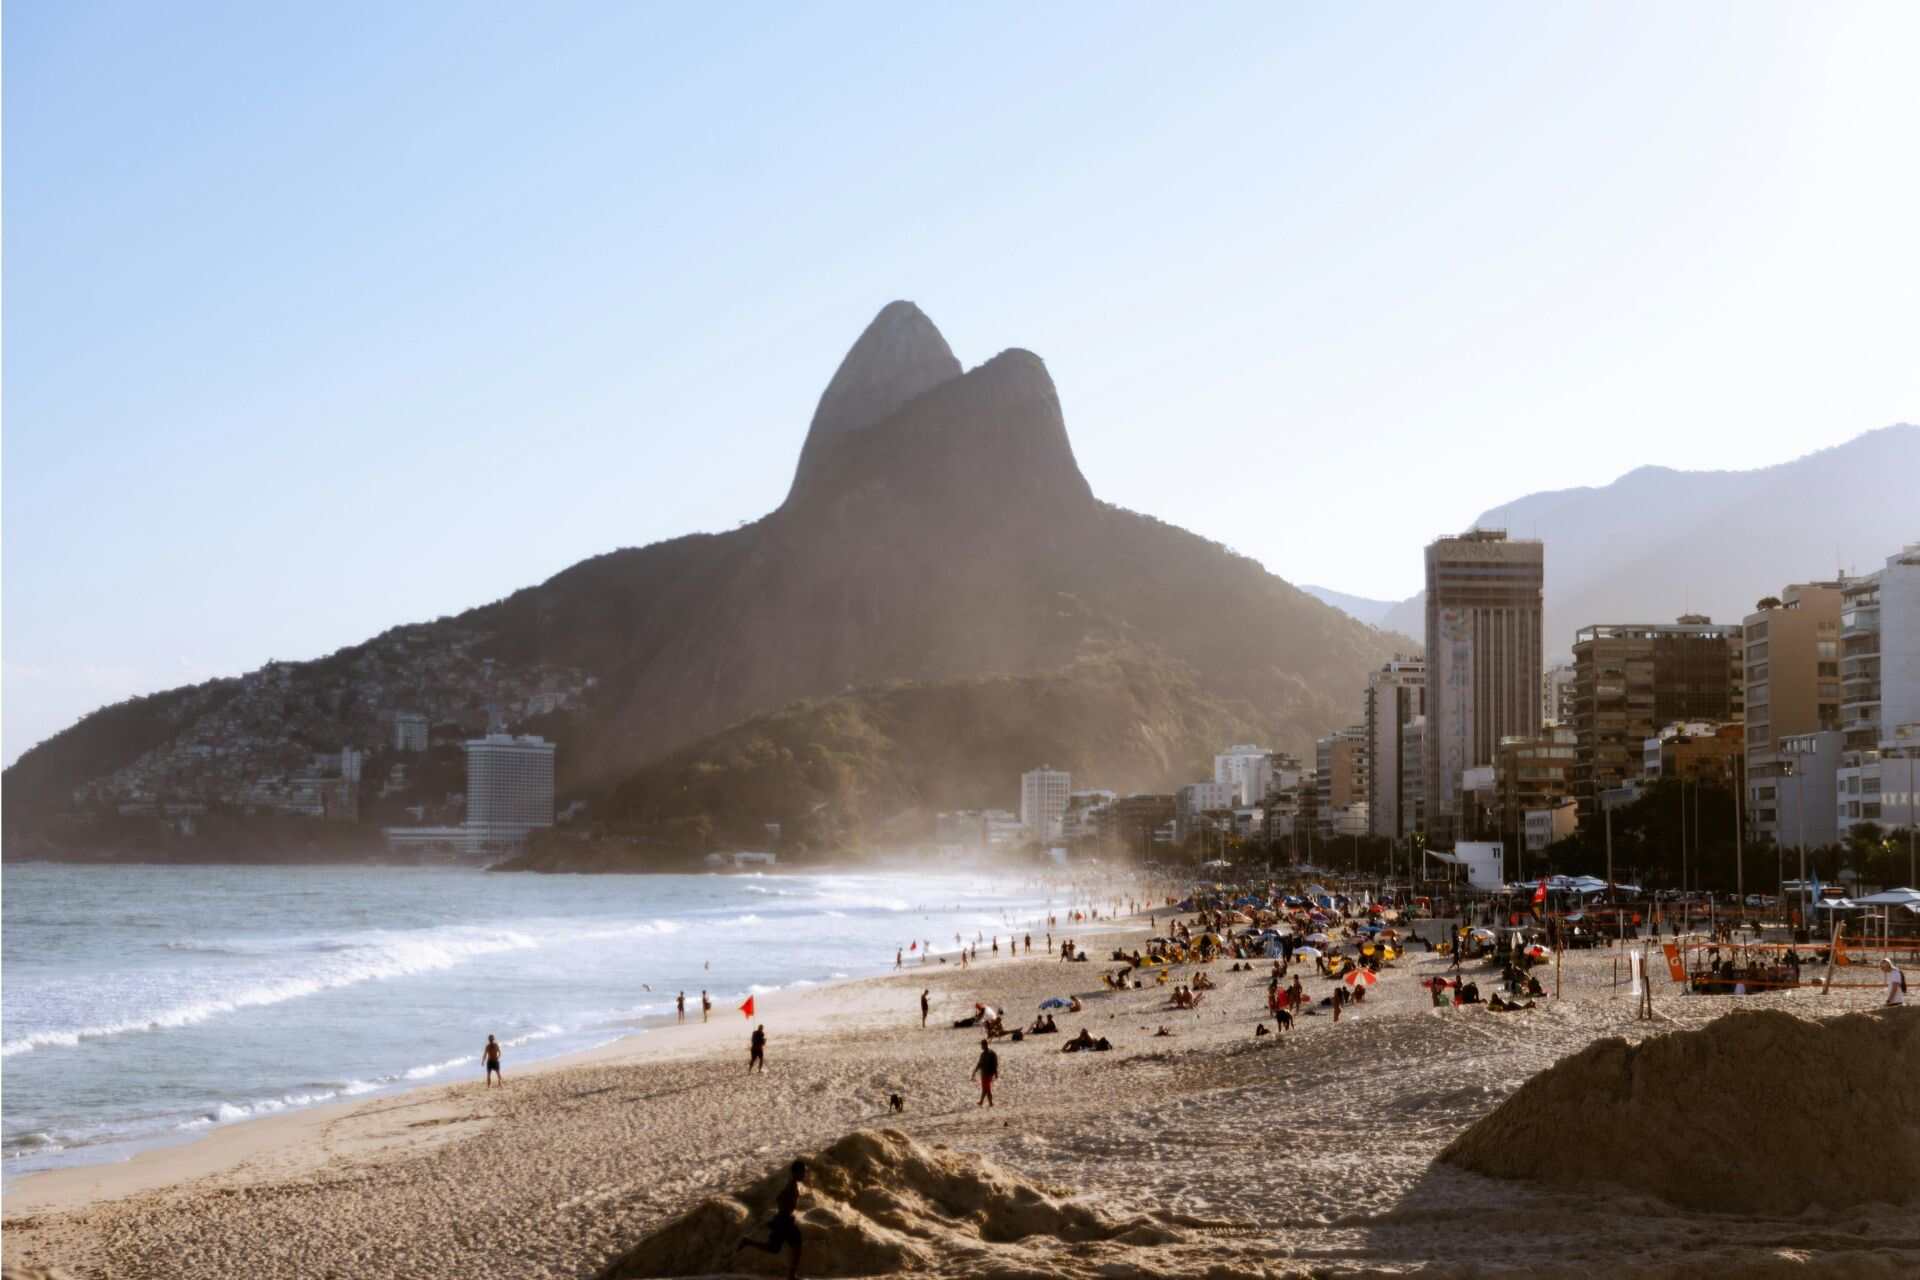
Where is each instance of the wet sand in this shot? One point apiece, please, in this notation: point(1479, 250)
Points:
point(1309, 1152)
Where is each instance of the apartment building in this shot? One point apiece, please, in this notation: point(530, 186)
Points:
point(1792, 655)
point(1044, 793)
point(1341, 776)
point(1633, 679)
point(1880, 696)
point(1396, 700)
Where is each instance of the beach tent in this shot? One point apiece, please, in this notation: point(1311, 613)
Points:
point(1890, 898)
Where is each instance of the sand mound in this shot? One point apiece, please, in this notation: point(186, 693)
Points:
point(1757, 1112)
point(879, 1203)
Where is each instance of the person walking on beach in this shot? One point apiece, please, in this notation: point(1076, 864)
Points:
point(491, 1056)
point(784, 1231)
point(757, 1050)
point(680, 1006)
point(1339, 1002)
point(1896, 982)
point(706, 1006)
point(896, 957)
point(985, 1070)
point(925, 1004)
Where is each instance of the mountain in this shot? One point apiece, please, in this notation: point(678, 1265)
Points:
point(1657, 542)
point(938, 530)
point(1371, 612)
point(879, 764)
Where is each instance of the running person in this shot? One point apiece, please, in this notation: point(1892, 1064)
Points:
point(491, 1056)
point(757, 1049)
point(784, 1231)
point(985, 1071)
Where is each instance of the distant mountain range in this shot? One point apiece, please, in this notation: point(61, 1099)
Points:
point(938, 542)
point(1658, 542)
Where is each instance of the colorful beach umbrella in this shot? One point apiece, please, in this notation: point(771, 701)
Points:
point(1357, 976)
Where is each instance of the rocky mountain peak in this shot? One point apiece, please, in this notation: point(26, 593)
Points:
point(900, 355)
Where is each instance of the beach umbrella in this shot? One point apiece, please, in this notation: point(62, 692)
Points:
point(1312, 953)
point(1483, 933)
point(1357, 976)
point(1317, 937)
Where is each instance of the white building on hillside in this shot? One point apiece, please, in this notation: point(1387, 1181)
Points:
point(1044, 793)
point(1247, 769)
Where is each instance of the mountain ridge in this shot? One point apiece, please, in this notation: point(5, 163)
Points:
point(1660, 541)
point(952, 538)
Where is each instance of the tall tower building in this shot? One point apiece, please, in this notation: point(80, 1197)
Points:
point(1483, 659)
point(1396, 701)
point(1043, 801)
point(509, 789)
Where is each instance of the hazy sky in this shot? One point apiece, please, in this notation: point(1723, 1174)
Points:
point(321, 318)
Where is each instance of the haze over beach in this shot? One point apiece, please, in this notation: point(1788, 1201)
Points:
point(662, 642)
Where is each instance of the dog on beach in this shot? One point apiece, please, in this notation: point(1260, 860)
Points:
point(896, 1102)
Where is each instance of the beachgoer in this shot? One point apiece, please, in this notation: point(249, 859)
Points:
point(680, 1007)
point(491, 1056)
point(757, 1049)
point(1896, 982)
point(1339, 1002)
point(984, 1071)
point(706, 1006)
point(784, 1231)
point(897, 958)
point(924, 1006)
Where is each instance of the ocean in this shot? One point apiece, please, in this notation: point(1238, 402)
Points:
point(145, 1004)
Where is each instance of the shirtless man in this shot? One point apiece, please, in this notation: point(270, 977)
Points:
point(784, 1231)
point(985, 1071)
point(491, 1056)
point(757, 1049)
point(680, 1006)
point(706, 1006)
point(925, 1004)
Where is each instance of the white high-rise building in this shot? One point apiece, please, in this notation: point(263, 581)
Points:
point(1879, 772)
point(1044, 793)
point(1396, 698)
point(509, 790)
point(409, 731)
point(1247, 769)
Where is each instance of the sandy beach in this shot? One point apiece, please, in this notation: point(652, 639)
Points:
point(1304, 1153)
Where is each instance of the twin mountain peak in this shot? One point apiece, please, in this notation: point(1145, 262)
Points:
point(939, 604)
point(900, 398)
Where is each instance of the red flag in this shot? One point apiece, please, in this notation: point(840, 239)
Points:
point(1540, 894)
point(746, 1009)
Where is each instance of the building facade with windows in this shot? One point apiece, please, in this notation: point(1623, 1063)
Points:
point(509, 790)
point(1396, 700)
point(1484, 594)
point(1792, 655)
point(1044, 793)
point(1880, 696)
point(1631, 680)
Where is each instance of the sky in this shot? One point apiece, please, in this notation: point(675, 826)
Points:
point(323, 318)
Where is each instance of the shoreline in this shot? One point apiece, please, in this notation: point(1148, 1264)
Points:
point(158, 1162)
point(1307, 1152)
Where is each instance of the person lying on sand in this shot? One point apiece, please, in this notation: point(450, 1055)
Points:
point(784, 1231)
